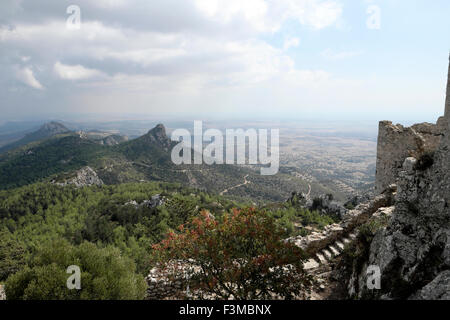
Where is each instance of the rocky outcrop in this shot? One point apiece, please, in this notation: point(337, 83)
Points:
point(158, 136)
point(155, 201)
point(438, 289)
point(325, 204)
point(103, 138)
point(113, 140)
point(83, 177)
point(413, 251)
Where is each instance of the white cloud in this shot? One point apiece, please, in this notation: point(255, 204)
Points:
point(319, 14)
point(253, 11)
point(182, 55)
point(75, 72)
point(216, 50)
point(308, 78)
point(27, 77)
point(269, 15)
point(105, 4)
point(291, 42)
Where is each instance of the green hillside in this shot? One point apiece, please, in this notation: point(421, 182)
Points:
point(117, 215)
point(146, 158)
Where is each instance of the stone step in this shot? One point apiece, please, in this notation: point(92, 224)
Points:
point(339, 245)
point(327, 254)
point(353, 235)
point(321, 258)
point(334, 251)
point(310, 264)
point(346, 241)
point(324, 275)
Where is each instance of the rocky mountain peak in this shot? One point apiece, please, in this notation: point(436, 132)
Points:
point(158, 135)
point(52, 128)
point(158, 131)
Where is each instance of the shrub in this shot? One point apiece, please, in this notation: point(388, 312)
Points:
point(242, 256)
point(105, 274)
point(12, 255)
point(425, 161)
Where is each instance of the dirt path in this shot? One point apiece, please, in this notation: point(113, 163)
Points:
point(309, 192)
point(166, 169)
point(236, 186)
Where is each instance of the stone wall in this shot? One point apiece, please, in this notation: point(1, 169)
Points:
point(413, 251)
point(396, 143)
point(446, 120)
point(171, 282)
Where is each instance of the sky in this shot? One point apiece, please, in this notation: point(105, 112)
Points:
point(252, 59)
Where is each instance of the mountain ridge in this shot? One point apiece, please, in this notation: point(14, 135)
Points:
point(46, 130)
point(146, 158)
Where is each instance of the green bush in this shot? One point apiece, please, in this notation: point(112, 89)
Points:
point(105, 274)
point(12, 255)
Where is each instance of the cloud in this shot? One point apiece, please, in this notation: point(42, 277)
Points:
point(142, 50)
point(253, 12)
point(110, 3)
point(27, 77)
point(220, 61)
point(291, 42)
point(76, 72)
point(319, 14)
point(269, 15)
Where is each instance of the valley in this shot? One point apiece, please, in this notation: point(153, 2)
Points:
point(329, 160)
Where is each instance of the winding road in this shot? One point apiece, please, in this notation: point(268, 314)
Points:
point(309, 192)
point(236, 186)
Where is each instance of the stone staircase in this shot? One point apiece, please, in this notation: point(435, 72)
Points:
point(329, 253)
point(323, 247)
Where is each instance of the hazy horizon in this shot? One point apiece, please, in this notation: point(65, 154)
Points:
point(255, 60)
point(317, 118)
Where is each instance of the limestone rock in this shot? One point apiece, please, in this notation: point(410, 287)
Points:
point(84, 177)
point(155, 201)
point(158, 135)
point(325, 204)
point(438, 289)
